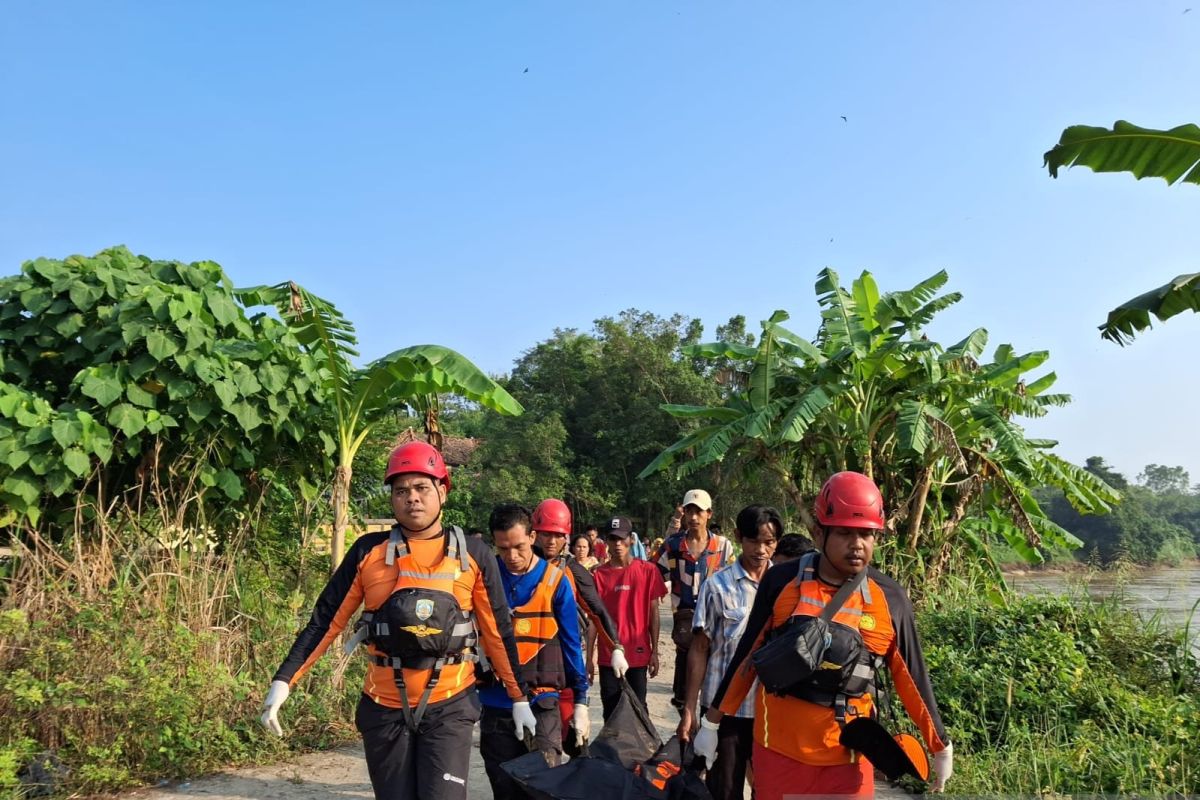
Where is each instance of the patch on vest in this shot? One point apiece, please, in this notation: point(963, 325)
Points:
point(421, 630)
point(867, 623)
point(524, 626)
point(423, 610)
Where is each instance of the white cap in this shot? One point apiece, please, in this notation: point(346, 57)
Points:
point(698, 498)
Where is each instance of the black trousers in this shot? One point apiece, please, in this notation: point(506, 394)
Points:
point(679, 682)
point(610, 687)
point(498, 743)
point(431, 764)
point(726, 779)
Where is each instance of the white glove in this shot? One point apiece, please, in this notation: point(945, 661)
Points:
point(943, 768)
point(523, 719)
point(705, 743)
point(278, 692)
point(580, 722)
point(619, 665)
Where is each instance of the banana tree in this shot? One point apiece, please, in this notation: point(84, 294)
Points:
point(1172, 155)
point(411, 377)
point(872, 393)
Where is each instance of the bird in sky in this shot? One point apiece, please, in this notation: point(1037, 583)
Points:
point(845, 120)
point(526, 70)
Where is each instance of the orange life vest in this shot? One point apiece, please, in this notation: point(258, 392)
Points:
point(421, 625)
point(536, 632)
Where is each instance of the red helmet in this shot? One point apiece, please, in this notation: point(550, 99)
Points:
point(418, 457)
point(851, 500)
point(552, 516)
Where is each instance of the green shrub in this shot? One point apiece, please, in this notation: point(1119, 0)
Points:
point(158, 670)
point(1063, 695)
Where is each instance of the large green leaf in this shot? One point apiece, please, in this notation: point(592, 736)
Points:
point(1172, 155)
point(719, 413)
point(429, 369)
point(319, 326)
point(842, 326)
point(804, 412)
point(101, 385)
point(730, 350)
point(667, 457)
point(1133, 316)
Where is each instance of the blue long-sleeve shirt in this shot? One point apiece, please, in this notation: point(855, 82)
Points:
point(519, 589)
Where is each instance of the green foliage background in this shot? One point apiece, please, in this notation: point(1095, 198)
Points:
point(112, 367)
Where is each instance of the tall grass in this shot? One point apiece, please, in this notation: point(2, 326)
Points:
point(1064, 695)
point(124, 660)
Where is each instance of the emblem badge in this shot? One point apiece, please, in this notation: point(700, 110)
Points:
point(424, 609)
point(524, 626)
point(867, 623)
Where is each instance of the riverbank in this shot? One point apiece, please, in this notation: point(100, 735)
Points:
point(1019, 570)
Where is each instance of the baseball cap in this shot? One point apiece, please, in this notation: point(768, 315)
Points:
point(698, 498)
point(619, 526)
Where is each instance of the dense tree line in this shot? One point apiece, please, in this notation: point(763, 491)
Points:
point(592, 423)
point(1157, 521)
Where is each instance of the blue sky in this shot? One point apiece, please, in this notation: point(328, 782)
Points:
point(398, 159)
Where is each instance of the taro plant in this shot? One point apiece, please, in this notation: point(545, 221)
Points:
point(934, 425)
point(113, 366)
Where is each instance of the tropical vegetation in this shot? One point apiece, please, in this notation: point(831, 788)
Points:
point(150, 596)
point(934, 425)
point(1174, 156)
point(411, 377)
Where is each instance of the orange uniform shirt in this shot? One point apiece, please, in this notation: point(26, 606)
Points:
point(808, 732)
point(365, 580)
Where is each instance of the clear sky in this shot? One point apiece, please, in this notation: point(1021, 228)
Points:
point(476, 175)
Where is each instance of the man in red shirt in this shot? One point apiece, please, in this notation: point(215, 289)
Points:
point(630, 589)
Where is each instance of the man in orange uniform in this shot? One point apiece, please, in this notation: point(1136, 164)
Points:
point(430, 595)
point(796, 733)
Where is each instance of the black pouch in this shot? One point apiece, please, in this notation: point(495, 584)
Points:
point(420, 624)
point(792, 654)
point(681, 629)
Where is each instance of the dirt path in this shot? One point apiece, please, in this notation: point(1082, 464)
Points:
point(342, 773)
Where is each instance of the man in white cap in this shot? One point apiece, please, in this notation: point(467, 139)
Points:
point(686, 559)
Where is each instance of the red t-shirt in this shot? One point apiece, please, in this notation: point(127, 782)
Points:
point(631, 595)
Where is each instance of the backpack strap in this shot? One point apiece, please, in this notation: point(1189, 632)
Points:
point(843, 594)
point(808, 563)
point(456, 546)
point(397, 547)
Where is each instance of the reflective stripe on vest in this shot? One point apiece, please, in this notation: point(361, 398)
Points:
point(811, 603)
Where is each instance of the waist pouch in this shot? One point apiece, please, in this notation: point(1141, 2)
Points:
point(420, 625)
point(793, 654)
point(681, 630)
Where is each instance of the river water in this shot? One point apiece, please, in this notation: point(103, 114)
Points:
point(1172, 593)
